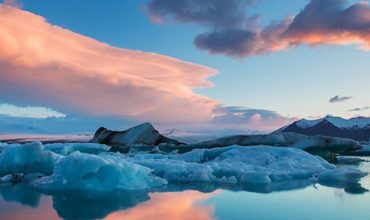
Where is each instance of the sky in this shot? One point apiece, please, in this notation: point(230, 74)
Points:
point(257, 64)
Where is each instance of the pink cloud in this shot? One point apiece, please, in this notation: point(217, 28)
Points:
point(331, 22)
point(14, 3)
point(46, 65)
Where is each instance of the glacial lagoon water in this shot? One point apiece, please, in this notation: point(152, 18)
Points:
point(304, 202)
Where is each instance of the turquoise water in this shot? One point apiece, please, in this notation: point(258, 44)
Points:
point(304, 202)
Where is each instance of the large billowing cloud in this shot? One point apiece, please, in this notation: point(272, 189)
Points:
point(331, 22)
point(320, 22)
point(45, 65)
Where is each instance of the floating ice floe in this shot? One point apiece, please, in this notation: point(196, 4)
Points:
point(27, 158)
point(80, 171)
point(242, 165)
point(38, 158)
point(293, 140)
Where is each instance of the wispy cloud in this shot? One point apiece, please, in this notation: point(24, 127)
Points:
point(337, 99)
point(355, 110)
point(359, 109)
point(29, 111)
point(234, 33)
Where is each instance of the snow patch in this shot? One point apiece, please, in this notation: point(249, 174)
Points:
point(304, 123)
point(339, 122)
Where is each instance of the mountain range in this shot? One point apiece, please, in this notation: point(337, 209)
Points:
point(355, 128)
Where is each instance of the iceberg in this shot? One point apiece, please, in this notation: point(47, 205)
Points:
point(145, 137)
point(282, 139)
point(240, 165)
point(27, 158)
point(143, 134)
point(80, 171)
point(3, 146)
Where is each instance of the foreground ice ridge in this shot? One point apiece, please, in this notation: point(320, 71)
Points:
point(234, 165)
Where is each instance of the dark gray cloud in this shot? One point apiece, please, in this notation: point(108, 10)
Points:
point(215, 13)
point(337, 99)
point(234, 33)
point(231, 42)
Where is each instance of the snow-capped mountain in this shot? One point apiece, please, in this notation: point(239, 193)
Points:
point(354, 128)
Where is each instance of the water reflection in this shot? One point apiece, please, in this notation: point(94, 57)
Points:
point(168, 206)
point(20, 193)
point(353, 188)
point(90, 205)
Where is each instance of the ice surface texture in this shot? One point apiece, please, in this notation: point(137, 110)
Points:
point(243, 165)
point(80, 171)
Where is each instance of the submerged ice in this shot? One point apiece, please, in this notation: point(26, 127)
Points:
point(92, 167)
